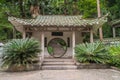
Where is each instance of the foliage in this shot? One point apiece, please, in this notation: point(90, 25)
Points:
point(5, 26)
point(50, 50)
point(87, 8)
point(20, 52)
point(113, 7)
point(57, 50)
point(115, 55)
point(91, 53)
point(107, 31)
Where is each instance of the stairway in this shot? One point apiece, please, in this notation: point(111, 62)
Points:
point(58, 64)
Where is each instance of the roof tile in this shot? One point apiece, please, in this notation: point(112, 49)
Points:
point(58, 20)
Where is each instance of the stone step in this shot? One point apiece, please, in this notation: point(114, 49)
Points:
point(58, 63)
point(58, 60)
point(59, 67)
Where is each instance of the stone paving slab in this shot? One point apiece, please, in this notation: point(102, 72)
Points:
point(82, 74)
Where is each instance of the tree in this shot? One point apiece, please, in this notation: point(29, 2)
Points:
point(88, 8)
point(26, 8)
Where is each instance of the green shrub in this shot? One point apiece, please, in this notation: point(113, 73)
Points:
point(91, 53)
point(20, 52)
point(115, 55)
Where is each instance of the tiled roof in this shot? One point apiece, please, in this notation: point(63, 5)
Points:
point(115, 22)
point(58, 20)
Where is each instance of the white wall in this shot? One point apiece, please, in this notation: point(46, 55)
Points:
point(78, 38)
point(37, 35)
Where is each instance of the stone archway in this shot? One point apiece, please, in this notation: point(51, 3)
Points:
point(57, 47)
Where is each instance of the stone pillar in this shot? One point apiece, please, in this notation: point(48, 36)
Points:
point(14, 33)
point(24, 34)
point(114, 32)
point(42, 46)
point(73, 43)
point(101, 34)
point(91, 36)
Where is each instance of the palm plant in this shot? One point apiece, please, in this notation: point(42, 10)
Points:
point(20, 52)
point(91, 53)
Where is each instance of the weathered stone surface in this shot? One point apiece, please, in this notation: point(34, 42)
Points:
point(92, 66)
point(13, 68)
point(59, 64)
point(115, 68)
point(82, 74)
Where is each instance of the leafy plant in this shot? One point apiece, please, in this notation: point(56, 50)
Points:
point(115, 55)
point(20, 52)
point(91, 53)
point(50, 50)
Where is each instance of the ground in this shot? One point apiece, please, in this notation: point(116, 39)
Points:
point(82, 74)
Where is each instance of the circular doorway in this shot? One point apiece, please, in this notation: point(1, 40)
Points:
point(57, 47)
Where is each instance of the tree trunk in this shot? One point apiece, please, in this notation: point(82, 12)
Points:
point(34, 9)
point(99, 15)
point(75, 8)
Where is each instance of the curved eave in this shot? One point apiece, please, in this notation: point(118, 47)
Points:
point(17, 25)
point(115, 23)
point(56, 21)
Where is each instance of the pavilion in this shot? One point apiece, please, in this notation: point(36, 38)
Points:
point(115, 24)
point(44, 28)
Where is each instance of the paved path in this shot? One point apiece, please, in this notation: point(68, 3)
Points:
point(83, 74)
